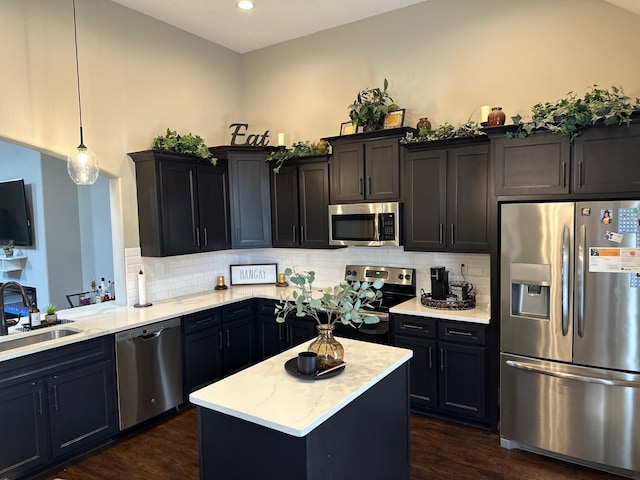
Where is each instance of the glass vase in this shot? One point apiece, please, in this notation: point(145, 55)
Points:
point(330, 351)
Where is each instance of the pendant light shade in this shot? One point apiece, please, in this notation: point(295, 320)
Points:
point(82, 163)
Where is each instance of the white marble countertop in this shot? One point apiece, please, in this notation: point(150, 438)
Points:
point(267, 395)
point(480, 314)
point(108, 318)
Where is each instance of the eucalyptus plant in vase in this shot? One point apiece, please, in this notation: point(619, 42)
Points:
point(346, 302)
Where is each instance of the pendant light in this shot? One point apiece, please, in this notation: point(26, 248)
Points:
point(82, 164)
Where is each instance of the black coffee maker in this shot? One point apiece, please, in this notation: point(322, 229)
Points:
point(439, 283)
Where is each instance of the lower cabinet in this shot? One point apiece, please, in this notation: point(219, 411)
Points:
point(56, 404)
point(277, 337)
point(448, 366)
point(216, 343)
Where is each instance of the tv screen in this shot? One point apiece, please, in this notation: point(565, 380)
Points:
point(15, 221)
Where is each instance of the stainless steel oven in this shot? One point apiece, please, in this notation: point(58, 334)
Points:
point(365, 224)
point(399, 286)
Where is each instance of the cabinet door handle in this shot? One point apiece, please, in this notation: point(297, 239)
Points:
point(55, 397)
point(293, 230)
point(360, 187)
point(302, 233)
point(580, 175)
point(453, 234)
point(430, 358)
point(280, 331)
point(228, 338)
point(198, 236)
point(287, 331)
point(441, 237)
point(206, 238)
point(220, 340)
point(40, 401)
point(442, 359)
point(369, 179)
point(564, 174)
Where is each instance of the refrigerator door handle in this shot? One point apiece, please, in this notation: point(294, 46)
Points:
point(581, 258)
point(566, 247)
point(572, 376)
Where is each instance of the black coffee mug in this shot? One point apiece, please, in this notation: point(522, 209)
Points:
point(307, 363)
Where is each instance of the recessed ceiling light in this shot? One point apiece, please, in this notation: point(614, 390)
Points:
point(245, 5)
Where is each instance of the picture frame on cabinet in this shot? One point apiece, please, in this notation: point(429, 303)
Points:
point(394, 119)
point(348, 128)
point(253, 274)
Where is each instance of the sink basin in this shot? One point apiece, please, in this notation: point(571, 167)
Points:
point(37, 338)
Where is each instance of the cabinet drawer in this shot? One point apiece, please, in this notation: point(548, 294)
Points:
point(267, 307)
point(237, 310)
point(461, 332)
point(414, 325)
point(200, 320)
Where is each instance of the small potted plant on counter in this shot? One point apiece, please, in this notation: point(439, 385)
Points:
point(346, 302)
point(8, 249)
point(50, 314)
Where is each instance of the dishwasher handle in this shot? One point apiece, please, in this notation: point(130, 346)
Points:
point(151, 335)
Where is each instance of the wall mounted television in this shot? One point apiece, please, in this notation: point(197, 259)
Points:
point(15, 221)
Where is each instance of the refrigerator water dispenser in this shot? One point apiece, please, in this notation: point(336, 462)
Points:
point(530, 290)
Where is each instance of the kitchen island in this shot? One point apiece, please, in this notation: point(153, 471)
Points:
point(264, 423)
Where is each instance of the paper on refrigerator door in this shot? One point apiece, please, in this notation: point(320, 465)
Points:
point(614, 260)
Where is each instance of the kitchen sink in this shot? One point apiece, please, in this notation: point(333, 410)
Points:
point(37, 338)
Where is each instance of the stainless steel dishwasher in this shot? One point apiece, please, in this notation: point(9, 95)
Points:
point(149, 370)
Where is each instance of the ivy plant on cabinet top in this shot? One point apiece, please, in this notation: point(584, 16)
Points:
point(569, 115)
point(187, 144)
point(298, 149)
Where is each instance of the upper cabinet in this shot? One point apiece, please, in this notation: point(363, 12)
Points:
point(249, 195)
point(183, 204)
point(299, 200)
point(366, 166)
point(601, 160)
point(447, 196)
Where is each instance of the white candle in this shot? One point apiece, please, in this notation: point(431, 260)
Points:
point(142, 289)
point(280, 139)
point(485, 110)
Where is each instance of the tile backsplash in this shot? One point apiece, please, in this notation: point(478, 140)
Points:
point(170, 277)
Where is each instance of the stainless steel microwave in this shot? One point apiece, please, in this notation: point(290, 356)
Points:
point(365, 224)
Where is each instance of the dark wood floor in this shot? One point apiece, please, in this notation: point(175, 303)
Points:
point(439, 450)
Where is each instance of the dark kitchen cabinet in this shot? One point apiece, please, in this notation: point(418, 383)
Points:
point(366, 167)
point(299, 201)
point(238, 337)
point(183, 204)
point(448, 369)
point(57, 404)
point(215, 343)
point(447, 196)
point(249, 195)
point(601, 160)
point(201, 347)
point(277, 337)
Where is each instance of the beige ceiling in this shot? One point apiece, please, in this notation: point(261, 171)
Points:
point(272, 21)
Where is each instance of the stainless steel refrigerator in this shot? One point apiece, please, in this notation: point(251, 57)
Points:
point(570, 331)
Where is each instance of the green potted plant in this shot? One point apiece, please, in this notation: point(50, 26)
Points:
point(346, 303)
point(186, 144)
point(8, 249)
point(569, 115)
point(370, 107)
point(446, 131)
point(50, 314)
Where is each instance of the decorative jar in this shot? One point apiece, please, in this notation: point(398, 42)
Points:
point(330, 351)
point(496, 117)
point(423, 124)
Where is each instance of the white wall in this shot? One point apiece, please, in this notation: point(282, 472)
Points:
point(443, 59)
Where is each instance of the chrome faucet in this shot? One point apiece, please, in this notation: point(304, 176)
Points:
point(4, 328)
